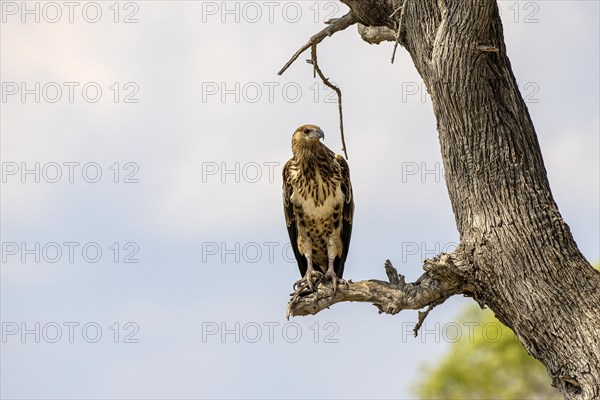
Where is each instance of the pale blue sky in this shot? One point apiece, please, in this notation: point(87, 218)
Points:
point(186, 220)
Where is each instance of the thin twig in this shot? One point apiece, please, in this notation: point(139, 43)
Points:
point(401, 9)
point(315, 64)
point(335, 25)
point(424, 314)
point(396, 10)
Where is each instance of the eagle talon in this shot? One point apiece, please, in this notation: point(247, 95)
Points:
point(307, 281)
point(335, 281)
point(300, 283)
point(317, 276)
point(344, 283)
point(305, 286)
point(300, 292)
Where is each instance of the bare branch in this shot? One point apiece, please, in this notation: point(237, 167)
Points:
point(376, 34)
point(439, 282)
point(488, 48)
point(422, 315)
point(335, 25)
point(315, 64)
point(401, 9)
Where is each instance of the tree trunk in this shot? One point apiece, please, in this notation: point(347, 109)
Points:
point(515, 249)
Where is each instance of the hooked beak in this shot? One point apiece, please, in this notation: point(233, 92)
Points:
point(316, 134)
point(321, 134)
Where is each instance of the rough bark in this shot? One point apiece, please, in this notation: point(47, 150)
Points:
point(516, 254)
point(438, 283)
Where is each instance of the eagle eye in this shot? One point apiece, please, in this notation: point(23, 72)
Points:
point(306, 131)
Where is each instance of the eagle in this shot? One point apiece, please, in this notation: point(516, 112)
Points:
point(318, 206)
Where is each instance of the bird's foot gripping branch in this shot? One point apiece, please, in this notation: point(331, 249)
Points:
point(439, 281)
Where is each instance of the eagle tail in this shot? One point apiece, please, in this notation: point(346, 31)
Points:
point(338, 266)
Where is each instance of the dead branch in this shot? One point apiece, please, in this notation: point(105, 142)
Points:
point(439, 282)
point(376, 34)
point(315, 64)
point(401, 9)
point(423, 314)
point(334, 25)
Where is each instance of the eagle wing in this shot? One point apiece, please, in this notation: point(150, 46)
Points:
point(347, 214)
point(290, 219)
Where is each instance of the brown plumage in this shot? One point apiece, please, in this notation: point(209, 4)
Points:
point(318, 206)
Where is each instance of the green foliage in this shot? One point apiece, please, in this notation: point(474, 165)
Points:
point(487, 362)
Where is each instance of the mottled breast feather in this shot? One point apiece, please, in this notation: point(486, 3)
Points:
point(317, 196)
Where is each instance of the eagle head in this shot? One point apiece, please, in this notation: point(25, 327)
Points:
point(306, 137)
